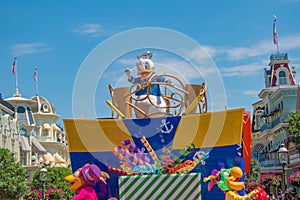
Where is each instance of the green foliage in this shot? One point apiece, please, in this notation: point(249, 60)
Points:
point(252, 180)
point(254, 171)
point(55, 184)
point(294, 128)
point(12, 176)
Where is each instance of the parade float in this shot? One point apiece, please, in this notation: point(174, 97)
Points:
point(161, 142)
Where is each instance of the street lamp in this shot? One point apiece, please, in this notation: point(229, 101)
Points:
point(43, 177)
point(283, 159)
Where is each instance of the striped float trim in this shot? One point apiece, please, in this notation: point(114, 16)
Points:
point(160, 186)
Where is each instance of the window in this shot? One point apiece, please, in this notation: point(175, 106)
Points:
point(22, 115)
point(282, 78)
point(45, 133)
point(21, 109)
point(23, 132)
point(22, 157)
point(31, 121)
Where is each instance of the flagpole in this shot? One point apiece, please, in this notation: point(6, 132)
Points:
point(16, 72)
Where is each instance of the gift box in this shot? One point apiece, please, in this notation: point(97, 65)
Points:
point(160, 186)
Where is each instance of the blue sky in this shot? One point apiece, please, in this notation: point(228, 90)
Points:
point(58, 36)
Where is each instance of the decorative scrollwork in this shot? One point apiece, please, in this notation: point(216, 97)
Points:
point(176, 96)
point(175, 100)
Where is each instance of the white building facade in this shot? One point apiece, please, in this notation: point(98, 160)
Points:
point(29, 129)
point(269, 127)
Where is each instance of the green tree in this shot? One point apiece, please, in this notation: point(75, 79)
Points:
point(252, 180)
point(294, 127)
point(55, 181)
point(12, 176)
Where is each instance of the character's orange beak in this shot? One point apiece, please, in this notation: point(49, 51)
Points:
point(232, 181)
point(75, 180)
point(233, 184)
point(104, 176)
point(145, 73)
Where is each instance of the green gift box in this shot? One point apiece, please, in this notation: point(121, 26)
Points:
point(160, 186)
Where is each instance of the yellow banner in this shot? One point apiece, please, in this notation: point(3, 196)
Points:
point(210, 129)
point(95, 135)
point(204, 130)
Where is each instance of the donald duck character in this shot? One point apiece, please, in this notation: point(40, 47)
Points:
point(83, 181)
point(147, 99)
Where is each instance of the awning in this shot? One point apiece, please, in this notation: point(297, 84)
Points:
point(56, 128)
point(58, 159)
point(277, 146)
point(24, 143)
point(46, 127)
point(37, 147)
point(258, 147)
point(48, 157)
point(265, 149)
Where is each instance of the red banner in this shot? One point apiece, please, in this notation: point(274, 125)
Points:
point(247, 141)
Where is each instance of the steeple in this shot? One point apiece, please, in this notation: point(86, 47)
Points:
point(280, 72)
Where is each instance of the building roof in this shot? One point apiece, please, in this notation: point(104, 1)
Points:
point(37, 147)
point(17, 100)
point(42, 105)
point(6, 104)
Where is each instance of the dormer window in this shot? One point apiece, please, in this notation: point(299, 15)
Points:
point(21, 109)
point(45, 108)
point(282, 78)
point(22, 115)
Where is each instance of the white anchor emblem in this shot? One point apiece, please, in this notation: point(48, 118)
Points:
point(239, 147)
point(165, 128)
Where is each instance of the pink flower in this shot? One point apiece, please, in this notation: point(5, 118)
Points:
point(294, 179)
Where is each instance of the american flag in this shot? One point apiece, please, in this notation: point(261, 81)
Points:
point(35, 78)
point(275, 40)
point(13, 66)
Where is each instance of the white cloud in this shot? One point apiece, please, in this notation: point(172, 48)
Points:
point(89, 29)
point(129, 61)
point(243, 70)
point(251, 92)
point(290, 42)
point(29, 48)
point(238, 53)
point(202, 53)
